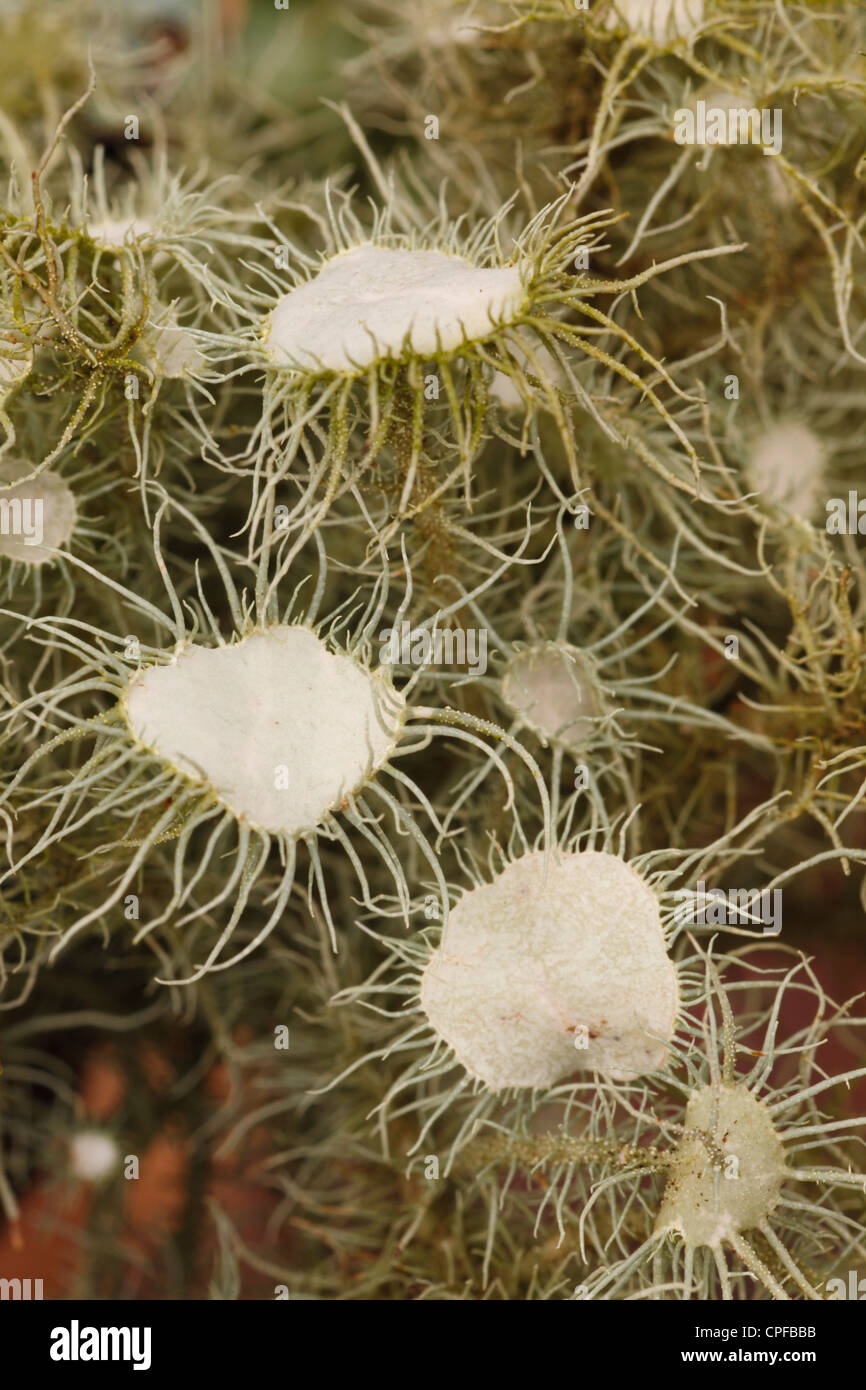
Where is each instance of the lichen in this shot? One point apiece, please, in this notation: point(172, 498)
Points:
point(726, 1174)
point(554, 967)
point(314, 727)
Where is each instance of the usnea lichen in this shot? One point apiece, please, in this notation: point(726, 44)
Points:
point(524, 971)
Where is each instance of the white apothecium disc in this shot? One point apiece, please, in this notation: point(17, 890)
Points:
point(548, 686)
point(167, 349)
point(279, 727)
point(704, 1210)
point(372, 303)
point(539, 976)
point(112, 233)
point(660, 20)
point(35, 517)
point(94, 1155)
point(786, 465)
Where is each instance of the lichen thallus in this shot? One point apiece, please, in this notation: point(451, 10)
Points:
point(275, 736)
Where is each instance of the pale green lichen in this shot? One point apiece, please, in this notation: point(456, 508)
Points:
point(554, 966)
point(726, 1174)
